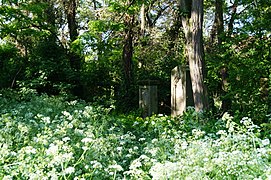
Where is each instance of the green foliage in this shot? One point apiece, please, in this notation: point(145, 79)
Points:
point(36, 52)
point(246, 59)
point(16, 21)
point(10, 65)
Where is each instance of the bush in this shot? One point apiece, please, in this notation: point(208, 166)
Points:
point(52, 138)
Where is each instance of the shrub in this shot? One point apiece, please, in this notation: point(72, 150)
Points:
point(52, 138)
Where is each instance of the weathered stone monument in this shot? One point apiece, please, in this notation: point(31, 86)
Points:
point(148, 100)
point(181, 90)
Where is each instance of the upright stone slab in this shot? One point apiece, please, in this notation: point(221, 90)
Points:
point(178, 90)
point(181, 90)
point(148, 100)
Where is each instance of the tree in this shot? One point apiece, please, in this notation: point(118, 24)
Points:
point(218, 26)
point(192, 21)
point(70, 8)
point(239, 65)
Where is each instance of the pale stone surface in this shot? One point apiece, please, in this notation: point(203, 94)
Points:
point(181, 90)
point(178, 91)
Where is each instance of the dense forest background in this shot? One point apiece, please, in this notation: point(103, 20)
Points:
point(99, 51)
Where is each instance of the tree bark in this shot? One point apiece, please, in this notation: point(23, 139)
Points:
point(233, 16)
point(192, 22)
point(128, 51)
point(70, 10)
point(142, 19)
point(218, 27)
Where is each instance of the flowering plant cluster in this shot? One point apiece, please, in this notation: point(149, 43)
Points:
point(45, 137)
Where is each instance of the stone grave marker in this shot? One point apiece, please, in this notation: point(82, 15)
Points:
point(181, 90)
point(148, 100)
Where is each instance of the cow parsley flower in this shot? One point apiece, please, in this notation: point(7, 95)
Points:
point(265, 142)
point(116, 167)
point(65, 139)
point(86, 140)
point(7, 177)
point(95, 164)
point(53, 150)
point(69, 170)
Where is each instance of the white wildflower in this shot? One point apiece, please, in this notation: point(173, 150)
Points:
point(7, 177)
point(69, 170)
point(142, 139)
point(135, 123)
point(116, 167)
point(95, 164)
point(67, 156)
point(153, 151)
point(23, 128)
point(261, 152)
point(130, 150)
point(265, 142)
point(246, 121)
point(70, 125)
point(67, 114)
point(135, 164)
point(65, 139)
point(198, 133)
point(144, 157)
point(128, 155)
point(53, 150)
point(184, 145)
point(79, 131)
point(112, 128)
point(222, 133)
point(46, 120)
point(30, 150)
point(82, 125)
point(226, 116)
point(72, 102)
point(86, 140)
point(85, 148)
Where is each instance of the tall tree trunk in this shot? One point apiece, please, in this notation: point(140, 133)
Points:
point(192, 22)
point(218, 26)
point(128, 51)
point(142, 19)
point(219, 20)
point(70, 10)
point(127, 94)
point(233, 16)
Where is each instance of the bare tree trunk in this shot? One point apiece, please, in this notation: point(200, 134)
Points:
point(127, 93)
point(70, 10)
point(128, 51)
point(142, 18)
point(233, 16)
point(192, 24)
point(218, 26)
